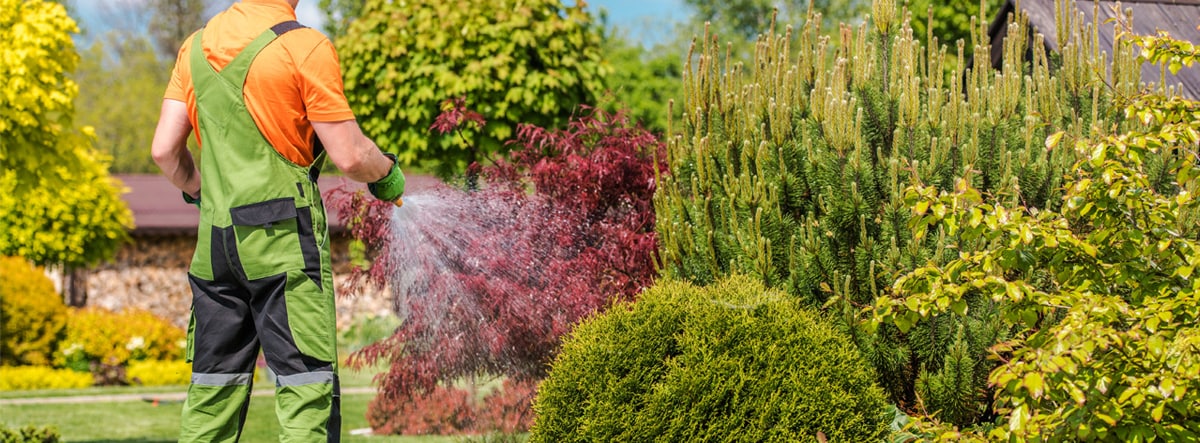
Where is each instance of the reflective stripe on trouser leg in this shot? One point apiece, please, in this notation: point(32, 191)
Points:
point(300, 405)
point(225, 348)
point(295, 319)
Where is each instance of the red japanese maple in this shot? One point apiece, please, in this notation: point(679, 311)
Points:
point(487, 281)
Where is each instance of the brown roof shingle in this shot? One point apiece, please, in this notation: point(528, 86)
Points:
point(1179, 18)
point(158, 207)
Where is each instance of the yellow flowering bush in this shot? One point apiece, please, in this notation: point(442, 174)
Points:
point(100, 336)
point(33, 317)
point(159, 372)
point(17, 378)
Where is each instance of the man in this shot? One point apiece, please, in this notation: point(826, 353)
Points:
point(257, 87)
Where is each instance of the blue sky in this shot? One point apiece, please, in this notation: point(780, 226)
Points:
point(644, 20)
point(623, 13)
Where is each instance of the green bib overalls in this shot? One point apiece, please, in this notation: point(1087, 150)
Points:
point(261, 273)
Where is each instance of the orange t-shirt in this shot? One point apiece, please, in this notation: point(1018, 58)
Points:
point(294, 80)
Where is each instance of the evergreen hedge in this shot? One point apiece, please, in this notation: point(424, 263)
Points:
point(730, 362)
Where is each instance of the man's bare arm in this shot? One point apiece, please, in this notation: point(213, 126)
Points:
point(351, 151)
point(169, 147)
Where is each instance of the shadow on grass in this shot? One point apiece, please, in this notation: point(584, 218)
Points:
point(127, 440)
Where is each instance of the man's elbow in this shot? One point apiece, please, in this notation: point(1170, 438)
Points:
point(162, 156)
point(354, 164)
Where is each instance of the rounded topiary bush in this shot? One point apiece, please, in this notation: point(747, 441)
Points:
point(733, 361)
point(33, 317)
point(97, 337)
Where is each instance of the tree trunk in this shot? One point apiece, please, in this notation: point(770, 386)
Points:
point(75, 287)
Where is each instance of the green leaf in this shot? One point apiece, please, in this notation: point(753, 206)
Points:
point(1053, 139)
point(1034, 383)
point(959, 307)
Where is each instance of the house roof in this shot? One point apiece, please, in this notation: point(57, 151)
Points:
point(1177, 17)
point(158, 207)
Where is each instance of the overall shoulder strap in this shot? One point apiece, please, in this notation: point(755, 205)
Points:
point(290, 25)
point(234, 73)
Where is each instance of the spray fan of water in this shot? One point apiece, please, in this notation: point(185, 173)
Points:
point(484, 282)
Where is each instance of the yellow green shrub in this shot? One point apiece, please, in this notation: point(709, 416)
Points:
point(100, 336)
point(159, 372)
point(18, 378)
point(44, 153)
point(30, 434)
point(33, 317)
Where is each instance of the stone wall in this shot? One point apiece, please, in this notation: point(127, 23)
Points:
point(151, 274)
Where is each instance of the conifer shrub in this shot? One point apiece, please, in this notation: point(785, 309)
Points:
point(686, 363)
point(33, 317)
point(21, 378)
point(791, 168)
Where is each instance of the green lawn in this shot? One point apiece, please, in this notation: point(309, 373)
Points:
point(143, 421)
point(136, 421)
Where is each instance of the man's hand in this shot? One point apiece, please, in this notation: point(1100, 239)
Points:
point(192, 200)
point(390, 187)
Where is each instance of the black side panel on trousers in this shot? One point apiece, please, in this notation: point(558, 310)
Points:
point(334, 428)
point(271, 318)
point(308, 245)
point(224, 343)
point(226, 266)
point(235, 316)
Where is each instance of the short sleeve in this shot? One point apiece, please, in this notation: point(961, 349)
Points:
point(181, 75)
point(321, 85)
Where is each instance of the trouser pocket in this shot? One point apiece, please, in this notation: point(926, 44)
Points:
point(311, 317)
point(268, 237)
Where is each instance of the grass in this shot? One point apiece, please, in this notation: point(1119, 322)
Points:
point(146, 422)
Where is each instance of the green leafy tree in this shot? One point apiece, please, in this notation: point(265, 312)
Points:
point(793, 170)
point(950, 22)
point(122, 72)
point(531, 61)
point(1101, 293)
point(338, 15)
point(173, 21)
point(642, 82)
point(748, 18)
point(57, 203)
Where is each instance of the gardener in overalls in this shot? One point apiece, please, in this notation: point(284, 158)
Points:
point(260, 90)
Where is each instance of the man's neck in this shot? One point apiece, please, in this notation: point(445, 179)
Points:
point(290, 3)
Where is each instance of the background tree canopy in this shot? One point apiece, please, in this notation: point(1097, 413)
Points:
point(514, 62)
point(124, 70)
point(338, 15)
point(121, 80)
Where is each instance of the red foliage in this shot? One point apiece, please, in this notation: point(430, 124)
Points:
point(448, 410)
point(487, 281)
point(441, 411)
point(454, 113)
point(508, 410)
